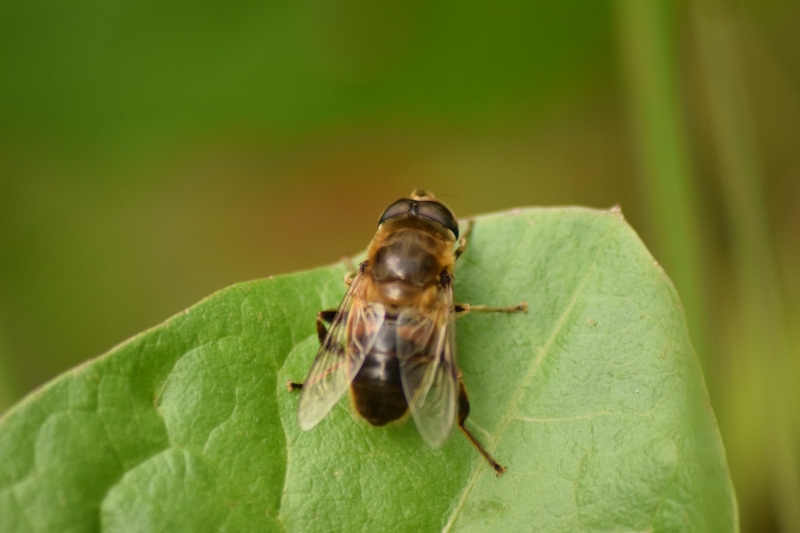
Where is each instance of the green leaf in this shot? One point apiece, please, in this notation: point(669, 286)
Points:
point(594, 400)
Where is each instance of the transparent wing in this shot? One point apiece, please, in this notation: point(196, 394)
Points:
point(349, 339)
point(426, 351)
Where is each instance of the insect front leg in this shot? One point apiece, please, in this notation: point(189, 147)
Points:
point(323, 317)
point(351, 273)
point(462, 242)
point(463, 413)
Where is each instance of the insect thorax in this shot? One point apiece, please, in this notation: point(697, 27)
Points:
point(407, 255)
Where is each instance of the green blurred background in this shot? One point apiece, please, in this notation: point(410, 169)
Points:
point(152, 153)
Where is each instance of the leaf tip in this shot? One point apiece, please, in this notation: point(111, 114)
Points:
point(617, 210)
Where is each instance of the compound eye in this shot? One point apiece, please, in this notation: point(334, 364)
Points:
point(400, 207)
point(438, 212)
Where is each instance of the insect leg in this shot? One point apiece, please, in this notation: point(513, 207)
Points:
point(291, 386)
point(322, 317)
point(463, 413)
point(463, 309)
point(462, 242)
point(350, 275)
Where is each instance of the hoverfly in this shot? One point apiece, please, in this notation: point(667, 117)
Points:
point(392, 341)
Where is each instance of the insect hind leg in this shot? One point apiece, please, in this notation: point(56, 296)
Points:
point(463, 413)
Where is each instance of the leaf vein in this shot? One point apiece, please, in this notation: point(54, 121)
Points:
point(508, 415)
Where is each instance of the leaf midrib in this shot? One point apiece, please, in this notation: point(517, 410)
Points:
point(512, 405)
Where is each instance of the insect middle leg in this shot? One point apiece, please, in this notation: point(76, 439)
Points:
point(463, 413)
point(463, 309)
point(323, 317)
point(322, 331)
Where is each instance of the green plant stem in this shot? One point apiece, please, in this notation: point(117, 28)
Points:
point(663, 157)
point(762, 311)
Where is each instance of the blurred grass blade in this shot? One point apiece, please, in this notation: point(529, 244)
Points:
point(762, 314)
point(7, 389)
point(644, 28)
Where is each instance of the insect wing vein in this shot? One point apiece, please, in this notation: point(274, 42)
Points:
point(426, 351)
point(340, 355)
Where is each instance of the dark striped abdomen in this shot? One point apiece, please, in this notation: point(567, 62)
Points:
point(377, 389)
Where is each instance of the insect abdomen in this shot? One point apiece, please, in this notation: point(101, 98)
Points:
point(377, 389)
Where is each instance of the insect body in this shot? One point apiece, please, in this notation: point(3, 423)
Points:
point(392, 339)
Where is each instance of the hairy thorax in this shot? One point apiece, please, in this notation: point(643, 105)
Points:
point(406, 263)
